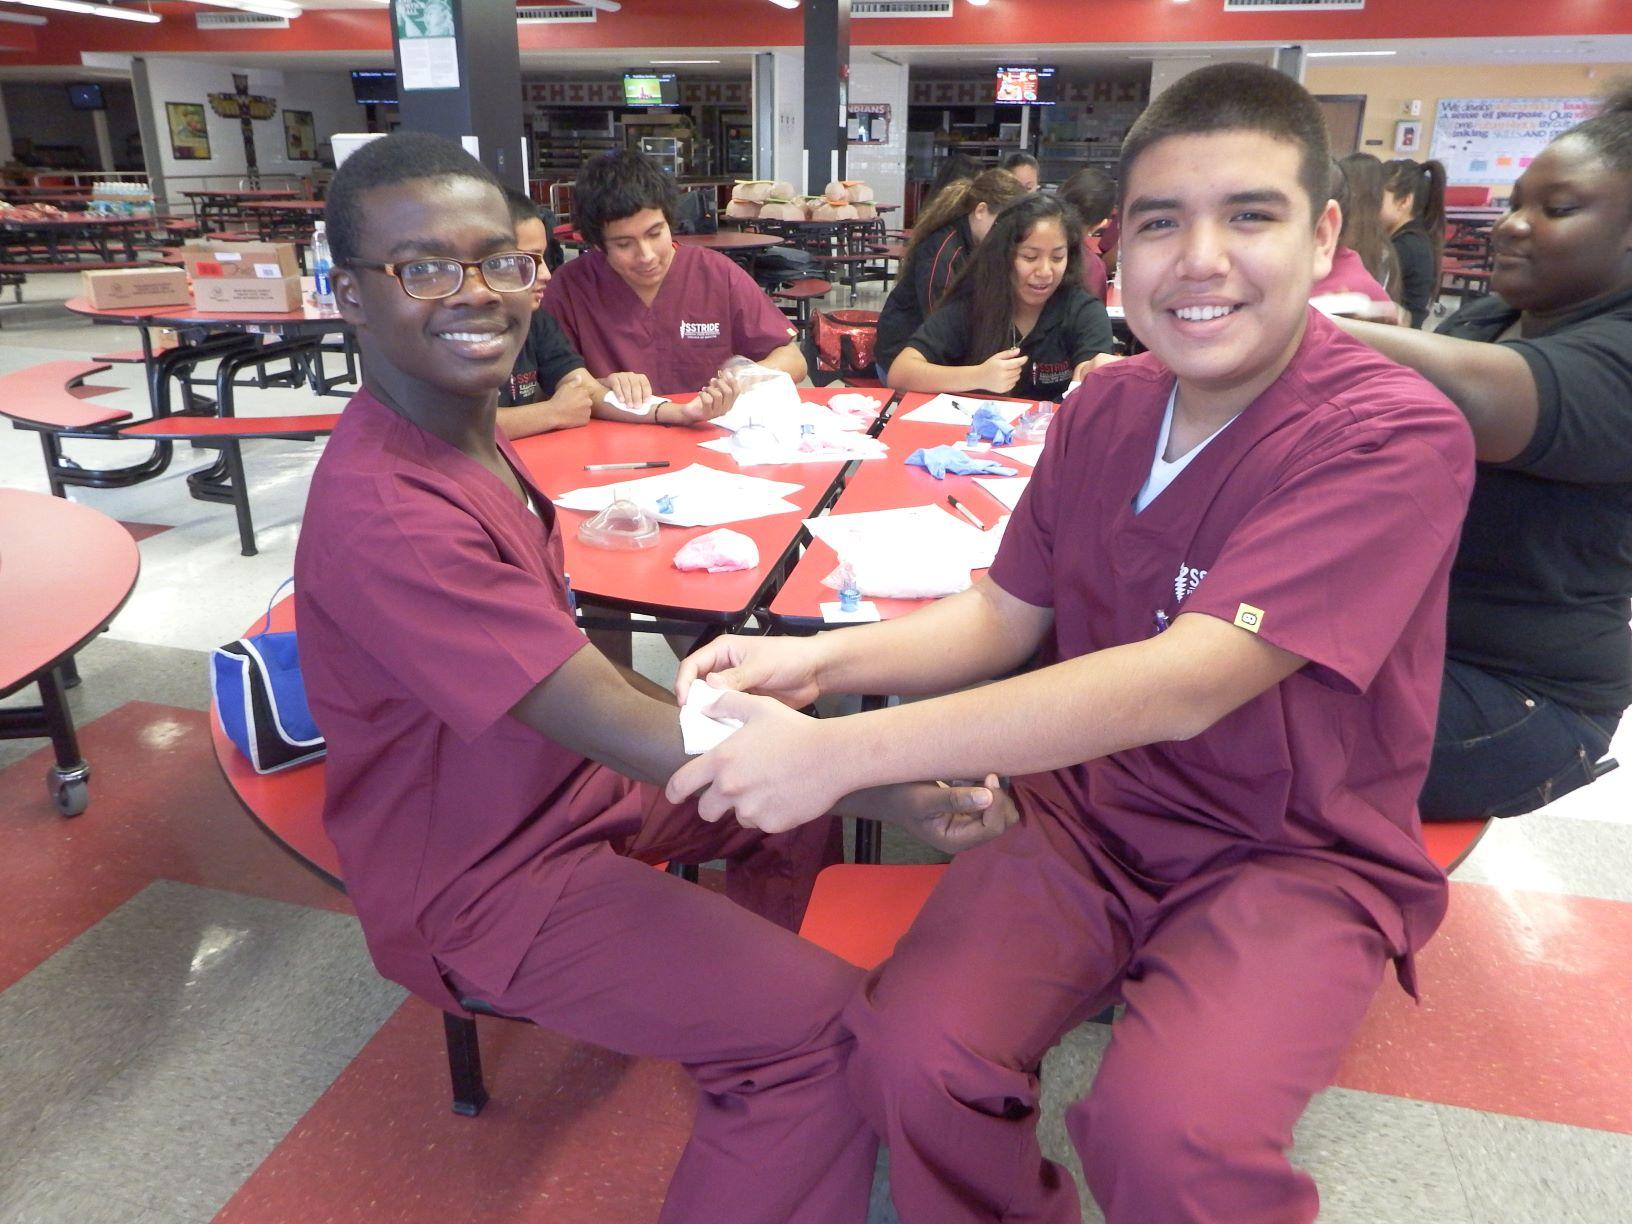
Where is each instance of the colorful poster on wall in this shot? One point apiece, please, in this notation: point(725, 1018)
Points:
point(1492, 140)
point(426, 44)
point(189, 131)
point(300, 135)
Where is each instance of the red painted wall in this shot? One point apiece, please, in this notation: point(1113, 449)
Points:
point(757, 23)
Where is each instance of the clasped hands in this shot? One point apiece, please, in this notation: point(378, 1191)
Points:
point(784, 769)
point(713, 400)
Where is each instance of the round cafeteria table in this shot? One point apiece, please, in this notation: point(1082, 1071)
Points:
point(287, 804)
point(65, 571)
point(726, 241)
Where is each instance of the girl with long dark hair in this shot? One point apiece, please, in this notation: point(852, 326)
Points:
point(951, 225)
point(1413, 213)
point(1365, 261)
point(1017, 320)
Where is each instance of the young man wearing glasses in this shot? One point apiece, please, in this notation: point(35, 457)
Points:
point(490, 778)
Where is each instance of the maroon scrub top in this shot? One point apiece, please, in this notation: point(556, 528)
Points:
point(1349, 275)
point(1324, 517)
point(707, 311)
point(430, 600)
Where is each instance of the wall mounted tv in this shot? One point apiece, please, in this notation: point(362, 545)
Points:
point(651, 89)
point(86, 97)
point(1027, 86)
point(374, 86)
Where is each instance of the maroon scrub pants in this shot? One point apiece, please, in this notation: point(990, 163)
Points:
point(1242, 985)
point(642, 962)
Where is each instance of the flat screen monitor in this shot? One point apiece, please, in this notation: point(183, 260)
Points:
point(651, 89)
point(374, 86)
point(1026, 86)
point(86, 97)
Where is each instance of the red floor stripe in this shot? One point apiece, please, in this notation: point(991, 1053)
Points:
point(158, 810)
point(1526, 1010)
point(572, 1133)
point(142, 531)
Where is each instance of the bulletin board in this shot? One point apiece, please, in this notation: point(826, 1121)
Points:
point(1492, 140)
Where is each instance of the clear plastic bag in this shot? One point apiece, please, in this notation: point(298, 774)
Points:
point(622, 526)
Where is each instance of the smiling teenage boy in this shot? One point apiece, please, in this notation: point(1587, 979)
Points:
point(489, 778)
point(653, 315)
point(1238, 545)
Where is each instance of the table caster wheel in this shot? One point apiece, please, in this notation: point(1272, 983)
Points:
point(69, 788)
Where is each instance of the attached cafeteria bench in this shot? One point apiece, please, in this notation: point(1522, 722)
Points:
point(53, 400)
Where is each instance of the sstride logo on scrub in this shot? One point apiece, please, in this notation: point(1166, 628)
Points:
point(699, 331)
point(1188, 580)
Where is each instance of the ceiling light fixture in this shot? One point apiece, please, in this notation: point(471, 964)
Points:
point(267, 8)
point(787, 4)
point(92, 10)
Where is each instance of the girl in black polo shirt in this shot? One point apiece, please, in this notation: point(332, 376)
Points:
point(1414, 216)
point(1538, 654)
point(1017, 320)
point(951, 226)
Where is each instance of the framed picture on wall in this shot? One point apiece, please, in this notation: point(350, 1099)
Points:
point(1407, 135)
point(300, 135)
point(189, 132)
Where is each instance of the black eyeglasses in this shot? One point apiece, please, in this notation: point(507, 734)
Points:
point(428, 280)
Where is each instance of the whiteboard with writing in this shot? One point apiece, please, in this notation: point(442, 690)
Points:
point(1492, 140)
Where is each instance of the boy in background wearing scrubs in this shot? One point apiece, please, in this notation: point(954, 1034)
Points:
point(1238, 544)
point(547, 361)
point(651, 315)
point(491, 777)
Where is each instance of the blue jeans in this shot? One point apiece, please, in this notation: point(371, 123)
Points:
point(1502, 751)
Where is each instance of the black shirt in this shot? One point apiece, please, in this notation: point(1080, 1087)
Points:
point(1415, 251)
point(545, 358)
point(920, 287)
point(1072, 328)
point(1542, 585)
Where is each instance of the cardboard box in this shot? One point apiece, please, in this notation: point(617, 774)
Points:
point(208, 260)
point(118, 288)
point(238, 294)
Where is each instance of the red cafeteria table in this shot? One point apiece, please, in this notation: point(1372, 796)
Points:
point(646, 581)
point(65, 571)
point(884, 484)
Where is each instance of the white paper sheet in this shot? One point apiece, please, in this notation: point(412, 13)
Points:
point(1006, 489)
point(787, 418)
point(958, 409)
point(776, 452)
point(699, 730)
point(703, 496)
point(1028, 453)
point(908, 530)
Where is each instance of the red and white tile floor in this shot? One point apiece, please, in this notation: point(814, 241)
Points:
point(190, 1027)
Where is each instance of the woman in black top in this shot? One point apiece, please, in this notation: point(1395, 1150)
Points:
point(1414, 216)
point(1538, 654)
point(951, 226)
point(1017, 320)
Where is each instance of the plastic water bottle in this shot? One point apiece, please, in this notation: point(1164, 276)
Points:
point(322, 262)
point(849, 594)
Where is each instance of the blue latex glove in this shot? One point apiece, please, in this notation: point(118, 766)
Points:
point(943, 459)
point(986, 424)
